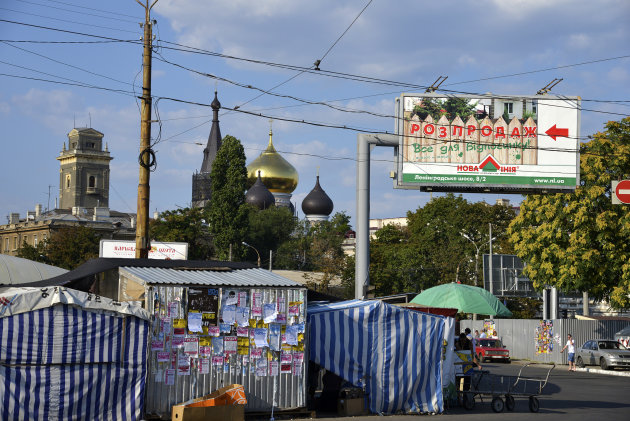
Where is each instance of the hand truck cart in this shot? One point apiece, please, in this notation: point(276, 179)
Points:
point(496, 386)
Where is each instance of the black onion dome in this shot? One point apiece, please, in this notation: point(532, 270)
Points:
point(258, 195)
point(216, 105)
point(317, 202)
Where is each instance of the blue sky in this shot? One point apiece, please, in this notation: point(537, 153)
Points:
point(404, 41)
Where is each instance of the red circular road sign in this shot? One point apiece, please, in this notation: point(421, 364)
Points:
point(623, 191)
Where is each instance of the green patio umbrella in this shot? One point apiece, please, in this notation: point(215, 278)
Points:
point(465, 298)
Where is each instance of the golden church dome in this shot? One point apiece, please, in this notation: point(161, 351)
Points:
point(276, 173)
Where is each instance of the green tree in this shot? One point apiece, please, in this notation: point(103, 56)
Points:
point(34, 253)
point(326, 252)
point(523, 307)
point(228, 212)
point(186, 225)
point(316, 247)
point(268, 229)
point(71, 247)
point(432, 249)
point(579, 241)
point(459, 107)
point(450, 107)
point(451, 235)
point(430, 106)
point(395, 264)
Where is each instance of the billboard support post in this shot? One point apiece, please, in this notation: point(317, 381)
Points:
point(365, 143)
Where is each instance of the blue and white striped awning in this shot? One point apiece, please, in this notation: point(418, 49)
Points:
point(64, 361)
point(395, 353)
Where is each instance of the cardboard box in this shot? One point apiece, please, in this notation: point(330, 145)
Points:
point(208, 413)
point(225, 404)
point(349, 407)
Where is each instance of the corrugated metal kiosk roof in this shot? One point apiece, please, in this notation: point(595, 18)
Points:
point(246, 278)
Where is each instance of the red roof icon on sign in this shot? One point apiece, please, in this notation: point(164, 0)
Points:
point(489, 164)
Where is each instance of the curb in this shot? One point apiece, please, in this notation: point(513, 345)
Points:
point(606, 372)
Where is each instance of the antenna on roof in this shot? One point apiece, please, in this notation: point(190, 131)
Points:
point(90, 114)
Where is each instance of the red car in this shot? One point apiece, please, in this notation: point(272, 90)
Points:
point(489, 349)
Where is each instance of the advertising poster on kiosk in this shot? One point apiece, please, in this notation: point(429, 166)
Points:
point(488, 143)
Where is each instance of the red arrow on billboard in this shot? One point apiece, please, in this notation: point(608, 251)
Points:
point(554, 131)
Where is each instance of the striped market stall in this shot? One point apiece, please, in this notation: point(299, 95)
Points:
point(67, 354)
point(394, 353)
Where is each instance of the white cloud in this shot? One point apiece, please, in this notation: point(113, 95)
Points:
point(523, 8)
point(53, 108)
point(581, 40)
point(618, 74)
point(466, 59)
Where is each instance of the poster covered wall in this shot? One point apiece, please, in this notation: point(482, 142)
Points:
point(543, 339)
point(204, 337)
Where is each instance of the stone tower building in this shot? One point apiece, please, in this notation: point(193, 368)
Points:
point(84, 172)
point(201, 181)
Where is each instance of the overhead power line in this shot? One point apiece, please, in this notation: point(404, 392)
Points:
point(547, 69)
point(66, 31)
point(69, 21)
point(184, 48)
point(80, 84)
point(195, 50)
point(352, 128)
point(80, 13)
point(280, 118)
point(318, 62)
point(309, 102)
point(91, 8)
point(15, 41)
point(66, 64)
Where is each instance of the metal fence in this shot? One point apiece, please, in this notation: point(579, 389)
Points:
point(519, 335)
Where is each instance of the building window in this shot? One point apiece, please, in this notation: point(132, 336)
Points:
point(90, 145)
point(508, 107)
point(6, 244)
point(91, 182)
point(34, 241)
point(15, 243)
point(534, 107)
point(68, 181)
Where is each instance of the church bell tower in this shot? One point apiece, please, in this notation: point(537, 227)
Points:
point(84, 170)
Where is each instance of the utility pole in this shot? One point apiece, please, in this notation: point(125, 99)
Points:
point(147, 157)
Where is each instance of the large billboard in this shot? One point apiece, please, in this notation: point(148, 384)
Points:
point(487, 143)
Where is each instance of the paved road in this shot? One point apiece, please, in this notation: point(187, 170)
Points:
point(569, 396)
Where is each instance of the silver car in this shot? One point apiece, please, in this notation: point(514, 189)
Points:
point(605, 353)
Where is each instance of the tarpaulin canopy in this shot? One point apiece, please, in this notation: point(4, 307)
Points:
point(395, 353)
point(70, 355)
point(464, 298)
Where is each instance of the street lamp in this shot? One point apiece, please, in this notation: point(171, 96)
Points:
point(477, 248)
point(258, 254)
